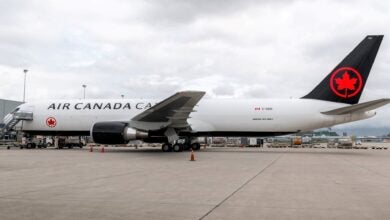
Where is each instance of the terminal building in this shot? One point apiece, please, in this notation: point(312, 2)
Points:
point(6, 106)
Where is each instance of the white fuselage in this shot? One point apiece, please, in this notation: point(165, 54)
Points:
point(210, 116)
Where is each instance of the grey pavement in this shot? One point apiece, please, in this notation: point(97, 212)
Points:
point(224, 183)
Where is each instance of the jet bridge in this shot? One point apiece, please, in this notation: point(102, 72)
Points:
point(13, 118)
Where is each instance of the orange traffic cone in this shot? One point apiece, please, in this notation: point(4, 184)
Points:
point(90, 149)
point(192, 155)
point(102, 150)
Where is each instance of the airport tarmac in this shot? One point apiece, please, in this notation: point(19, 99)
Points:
point(224, 183)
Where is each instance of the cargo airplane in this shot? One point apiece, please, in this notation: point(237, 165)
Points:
point(178, 120)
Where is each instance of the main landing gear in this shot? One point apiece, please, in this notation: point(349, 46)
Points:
point(195, 146)
point(177, 147)
point(166, 147)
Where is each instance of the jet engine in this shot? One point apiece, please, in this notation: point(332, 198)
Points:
point(115, 133)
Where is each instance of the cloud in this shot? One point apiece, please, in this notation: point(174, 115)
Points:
point(224, 90)
point(186, 11)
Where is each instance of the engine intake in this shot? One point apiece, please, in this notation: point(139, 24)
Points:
point(115, 133)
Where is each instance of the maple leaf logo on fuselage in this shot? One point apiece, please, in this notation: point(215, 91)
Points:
point(348, 81)
point(51, 122)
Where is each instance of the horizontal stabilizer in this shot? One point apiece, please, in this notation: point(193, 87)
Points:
point(362, 107)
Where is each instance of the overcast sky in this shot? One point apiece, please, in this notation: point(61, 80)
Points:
point(152, 49)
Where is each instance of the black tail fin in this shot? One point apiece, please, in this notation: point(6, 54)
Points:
point(346, 81)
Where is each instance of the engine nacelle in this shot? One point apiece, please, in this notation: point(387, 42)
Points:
point(115, 133)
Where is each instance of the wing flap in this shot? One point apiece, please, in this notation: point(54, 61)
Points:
point(361, 107)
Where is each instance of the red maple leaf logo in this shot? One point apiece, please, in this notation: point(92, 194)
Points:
point(51, 122)
point(346, 82)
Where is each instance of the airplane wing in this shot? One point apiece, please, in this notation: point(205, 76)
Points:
point(361, 107)
point(172, 112)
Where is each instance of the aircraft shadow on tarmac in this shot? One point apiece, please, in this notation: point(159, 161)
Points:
point(154, 151)
point(235, 151)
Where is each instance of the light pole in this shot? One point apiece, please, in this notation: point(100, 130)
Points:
point(84, 86)
point(24, 85)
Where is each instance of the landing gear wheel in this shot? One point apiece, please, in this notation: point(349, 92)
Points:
point(186, 147)
point(177, 147)
point(195, 146)
point(166, 147)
